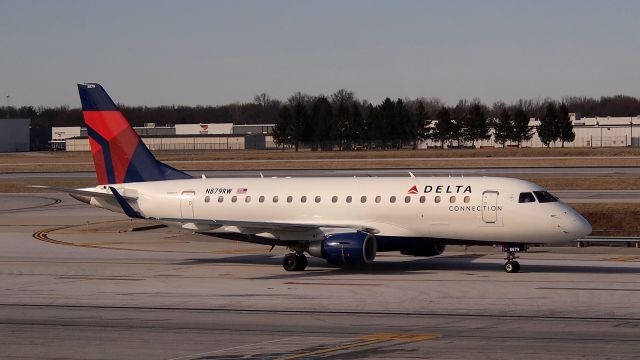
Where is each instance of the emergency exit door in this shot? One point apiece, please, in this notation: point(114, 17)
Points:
point(186, 204)
point(490, 206)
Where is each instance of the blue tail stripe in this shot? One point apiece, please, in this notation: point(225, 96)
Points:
point(94, 98)
point(106, 153)
point(128, 210)
point(144, 167)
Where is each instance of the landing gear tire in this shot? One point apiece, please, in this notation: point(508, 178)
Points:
point(512, 266)
point(294, 262)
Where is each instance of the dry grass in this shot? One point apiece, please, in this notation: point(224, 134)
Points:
point(612, 219)
point(587, 183)
point(374, 154)
point(404, 159)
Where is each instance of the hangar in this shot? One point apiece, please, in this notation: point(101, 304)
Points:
point(14, 135)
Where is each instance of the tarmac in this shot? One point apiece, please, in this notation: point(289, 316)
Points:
point(78, 282)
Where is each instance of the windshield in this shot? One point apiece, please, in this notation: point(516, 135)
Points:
point(526, 197)
point(545, 197)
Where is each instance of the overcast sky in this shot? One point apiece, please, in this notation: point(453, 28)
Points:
point(217, 52)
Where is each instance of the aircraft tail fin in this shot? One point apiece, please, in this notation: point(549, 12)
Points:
point(119, 155)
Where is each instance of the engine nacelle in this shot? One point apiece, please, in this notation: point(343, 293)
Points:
point(425, 250)
point(355, 248)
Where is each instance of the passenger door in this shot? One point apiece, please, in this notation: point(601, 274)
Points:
point(490, 207)
point(186, 204)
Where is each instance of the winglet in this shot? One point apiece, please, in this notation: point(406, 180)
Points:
point(128, 210)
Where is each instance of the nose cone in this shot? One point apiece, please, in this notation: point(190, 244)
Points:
point(577, 225)
point(583, 227)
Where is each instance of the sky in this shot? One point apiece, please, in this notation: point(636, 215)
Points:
point(219, 52)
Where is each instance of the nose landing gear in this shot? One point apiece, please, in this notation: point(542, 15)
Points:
point(512, 266)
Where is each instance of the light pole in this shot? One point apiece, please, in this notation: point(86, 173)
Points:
point(631, 127)
point(8, 96)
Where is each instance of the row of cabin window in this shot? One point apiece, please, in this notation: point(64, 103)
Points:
point(334, 199)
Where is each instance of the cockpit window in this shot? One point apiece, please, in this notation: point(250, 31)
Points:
point(545, 197)
point(526, 197)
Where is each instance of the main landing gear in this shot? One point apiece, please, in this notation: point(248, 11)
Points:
point(512, 266)
point(295, 261)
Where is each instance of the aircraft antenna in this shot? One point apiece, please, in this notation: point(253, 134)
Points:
point(411, 174)
point(261, 176)
point(204, 177)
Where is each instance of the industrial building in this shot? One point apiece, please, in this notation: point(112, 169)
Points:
point(14, 135)
point(214, 136)
point(590, 132)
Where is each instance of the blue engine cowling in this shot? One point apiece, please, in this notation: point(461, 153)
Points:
point(356, 248)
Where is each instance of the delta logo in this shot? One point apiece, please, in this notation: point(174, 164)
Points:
point(413, 190)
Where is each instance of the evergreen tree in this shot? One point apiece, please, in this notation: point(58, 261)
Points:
point(323, 121)
point(566, 127)
point(302, 129)
point(422, 122)
point(358, 129)
point(283, 131)
point(405, 124)
point(373, 125)
point(549, 129)
point(521, 129)
point(387, 114)
point(342, 126)
point(444, 128)
point(503, 130)
point(477, 126)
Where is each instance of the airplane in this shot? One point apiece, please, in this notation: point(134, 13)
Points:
point(345, 220)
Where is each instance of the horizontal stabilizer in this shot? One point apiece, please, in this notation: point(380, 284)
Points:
point(90, 193)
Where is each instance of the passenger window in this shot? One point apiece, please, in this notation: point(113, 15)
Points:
point(303, 199)
point(363, 199)
point(220, 199)
point(334, 199)
point(247, 199)
point(526, 197)
point(349, 199)
point(467, 199)
point(289, 198)
point(275, 199)
point(378, 199)
point(452, 199)
point(207, 199)
point(545, 197)
point(423, 199)
point(261, 199)
point(392, 199)
point(407, 199)
point(437, 199)
point(318, 199)
point(234, 198)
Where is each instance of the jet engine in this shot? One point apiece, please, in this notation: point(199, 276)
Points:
point(357, 248)
point(425, 250)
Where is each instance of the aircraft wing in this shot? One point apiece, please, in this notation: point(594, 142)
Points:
point(265, 225)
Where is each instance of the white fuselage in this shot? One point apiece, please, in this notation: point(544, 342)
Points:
point(482, 209)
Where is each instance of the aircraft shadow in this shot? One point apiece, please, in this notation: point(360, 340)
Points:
point(319, 267)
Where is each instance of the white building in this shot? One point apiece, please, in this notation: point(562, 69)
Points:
point(204, 129)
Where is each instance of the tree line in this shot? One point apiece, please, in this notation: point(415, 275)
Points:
point(342, 121)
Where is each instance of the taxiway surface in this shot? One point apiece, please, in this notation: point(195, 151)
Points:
point(79, 283)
